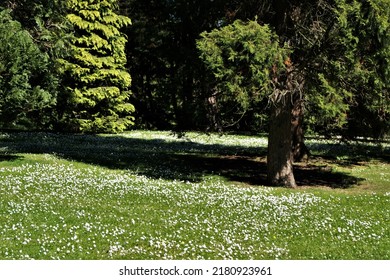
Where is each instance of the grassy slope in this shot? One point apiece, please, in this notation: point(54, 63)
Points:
point(149, 195)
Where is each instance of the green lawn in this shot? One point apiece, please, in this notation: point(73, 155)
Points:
point(151, 195)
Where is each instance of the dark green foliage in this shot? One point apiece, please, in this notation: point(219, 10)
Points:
point(46, 23)
point(27, 87)
point(368, 26)
point(348, 78)
point(169, 81)
point(243, 58)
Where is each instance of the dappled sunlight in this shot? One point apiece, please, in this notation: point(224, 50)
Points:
point(192, 157)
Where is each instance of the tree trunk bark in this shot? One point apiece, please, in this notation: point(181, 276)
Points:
point(299, 149)
point(279, 160)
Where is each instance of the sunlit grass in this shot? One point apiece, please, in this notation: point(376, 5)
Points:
point(120, 197)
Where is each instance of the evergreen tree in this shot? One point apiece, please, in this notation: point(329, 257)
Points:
point(96, 98)
point(242, 57)
point(339, 57)
point(248, 64)
point(364, 36)
point(27, 86)
point(344, 57)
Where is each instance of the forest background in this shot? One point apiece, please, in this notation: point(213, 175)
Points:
point(282, 67)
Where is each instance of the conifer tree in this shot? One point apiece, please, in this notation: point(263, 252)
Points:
point(248, 63)
point(96, 79)
point(27, 86)
point(339, 58)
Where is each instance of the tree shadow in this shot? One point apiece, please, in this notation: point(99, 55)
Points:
point(347, 154)
point(323, 176)
point(160, 158)
point(8, 157)
point(253, 171)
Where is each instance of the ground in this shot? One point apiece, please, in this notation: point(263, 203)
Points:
point(152, 195)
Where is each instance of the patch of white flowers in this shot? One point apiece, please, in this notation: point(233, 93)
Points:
point(201, 138)
point(60, 211)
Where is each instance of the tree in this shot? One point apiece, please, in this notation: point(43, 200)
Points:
point(170, 86)
point(339, 49)
point(338, 53)
point(248, 63)
point(329, 42)
point(97, 94)
point(27, 86)
point(365, 35)
point(240, 56)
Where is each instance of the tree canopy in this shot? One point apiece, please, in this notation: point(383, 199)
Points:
point(244, 59)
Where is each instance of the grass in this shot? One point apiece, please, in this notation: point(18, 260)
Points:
point(151, 195)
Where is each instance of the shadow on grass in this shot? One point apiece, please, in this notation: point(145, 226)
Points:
point(158, 158)
point(316, 176)
point(352, 153)
point(7, 157)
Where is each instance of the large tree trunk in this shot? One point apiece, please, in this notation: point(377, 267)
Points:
point(279, 161)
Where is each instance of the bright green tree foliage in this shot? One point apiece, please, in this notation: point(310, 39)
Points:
point(95, 72)
point(26, 85)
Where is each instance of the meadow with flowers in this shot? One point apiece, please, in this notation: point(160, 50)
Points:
point(153, 195)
